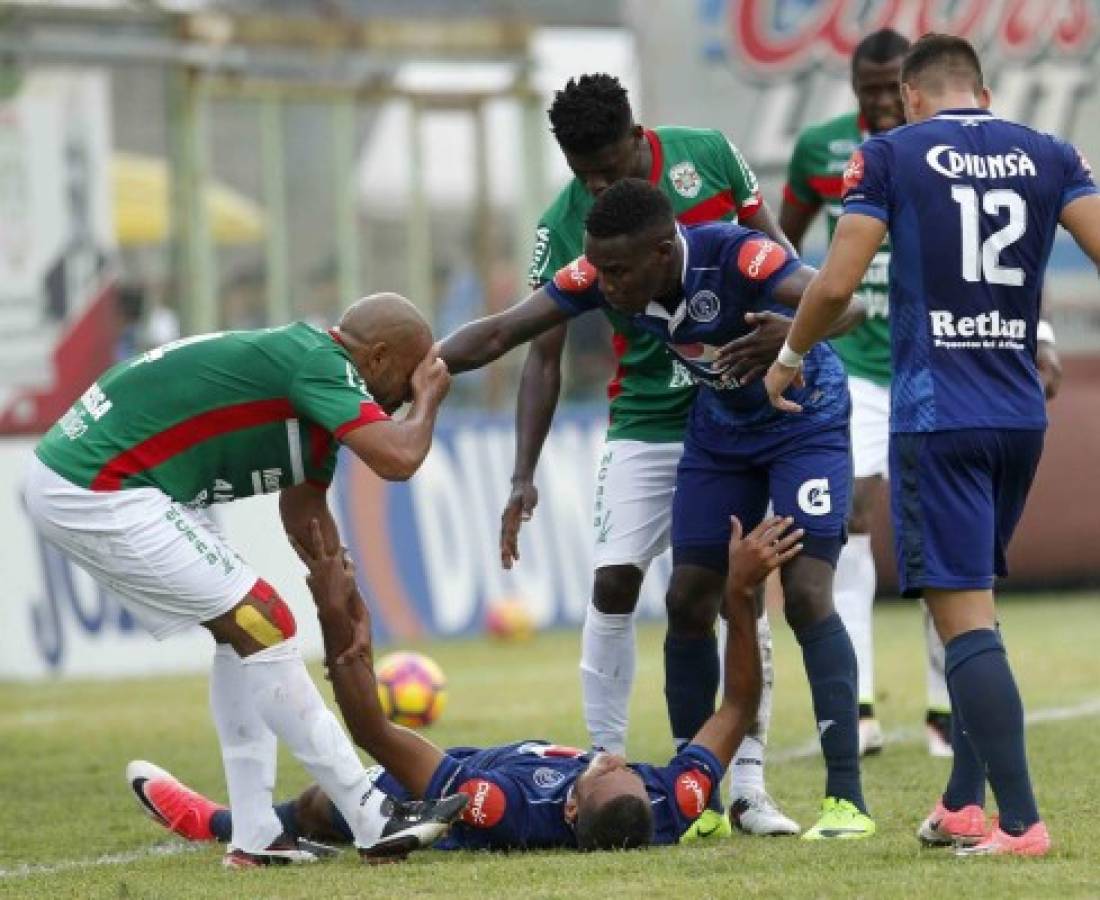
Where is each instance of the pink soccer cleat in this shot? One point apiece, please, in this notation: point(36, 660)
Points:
point(945, 828)
point(170, 802)
point(1033, 842)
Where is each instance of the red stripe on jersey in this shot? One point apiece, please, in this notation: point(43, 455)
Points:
point(709, 210)
point(619, 347)
point(791, 197)
point(320, 443)
point(750, 207)
point(657, 155)
point(830, 186)
point(369, 412)
point(186, 434)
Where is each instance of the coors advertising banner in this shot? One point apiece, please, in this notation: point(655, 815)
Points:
point(761, 70)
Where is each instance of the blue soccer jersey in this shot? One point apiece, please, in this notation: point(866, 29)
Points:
point(972, 202)
point(728, 272)
point(518, 793)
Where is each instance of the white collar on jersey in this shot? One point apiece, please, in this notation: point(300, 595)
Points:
point(959, 115)
point(655, 309)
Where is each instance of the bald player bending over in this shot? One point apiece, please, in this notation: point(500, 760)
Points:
point(120, 485)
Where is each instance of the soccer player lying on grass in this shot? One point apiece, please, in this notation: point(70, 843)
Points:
point(529, 794)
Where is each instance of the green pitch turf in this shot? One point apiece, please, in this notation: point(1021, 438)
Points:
point(70, 828)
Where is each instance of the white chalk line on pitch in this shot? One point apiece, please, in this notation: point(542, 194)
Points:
point(915, 735)
point(809, 749)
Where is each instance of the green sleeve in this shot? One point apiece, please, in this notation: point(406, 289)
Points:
point(559, 239)
point(798, 174)
point(328, 390)
point(742, 179)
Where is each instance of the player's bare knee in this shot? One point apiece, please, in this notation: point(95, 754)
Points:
point(264, 618)
point(693, 599)
point(615, 589)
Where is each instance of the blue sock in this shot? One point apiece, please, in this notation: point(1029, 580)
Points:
point(830, 665)
point(691, 683)
point(221, 823)
point(986, 696)
point(967, 782)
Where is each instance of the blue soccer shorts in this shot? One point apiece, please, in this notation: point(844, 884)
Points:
point(806, 474)
point(956, 497)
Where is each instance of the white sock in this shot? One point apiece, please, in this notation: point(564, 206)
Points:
point(747, 768)
point(248, 753)
point(936, 674)
point(607, 676)
point(853, 596)
point(288, 700)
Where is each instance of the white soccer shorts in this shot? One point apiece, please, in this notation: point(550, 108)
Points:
point(169, 565)
point(870, 427)
point(632, 508)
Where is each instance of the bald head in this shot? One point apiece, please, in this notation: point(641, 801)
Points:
point(386, 337)
point(385, 317)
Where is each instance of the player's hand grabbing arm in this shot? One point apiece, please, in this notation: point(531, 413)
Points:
point(824, 301)
point(394, 449)
point(407, 756)
point(480, 342)
point(539, 388)
point(751, 558)
point(303, 507)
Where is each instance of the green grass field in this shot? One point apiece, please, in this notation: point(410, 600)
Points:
point(70, 828)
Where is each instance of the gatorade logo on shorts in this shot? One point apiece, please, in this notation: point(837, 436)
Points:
point(576, 277)
point(759, 258)
point(814, 498)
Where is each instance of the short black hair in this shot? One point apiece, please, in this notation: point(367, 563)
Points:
point(590, 113)
point(629, 206)
point(879, 47)
point(939, 58)
point(622, 823)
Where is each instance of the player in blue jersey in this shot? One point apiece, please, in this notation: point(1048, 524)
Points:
point(529, 794)
point(971, 203)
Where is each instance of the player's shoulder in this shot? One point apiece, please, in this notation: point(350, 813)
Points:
point(568, 209)
point(691, 141)
point(731, 246)
point(824, 136)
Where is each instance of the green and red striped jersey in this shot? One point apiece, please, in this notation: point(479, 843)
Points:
point(815, 178)
point(216, 417)
point(707, 179)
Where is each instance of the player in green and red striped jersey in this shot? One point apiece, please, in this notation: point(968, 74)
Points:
point(706, 179)
point(120, 484)
point(815, 183)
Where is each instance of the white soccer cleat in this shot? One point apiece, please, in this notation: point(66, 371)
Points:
point(752, 811)
point(871, 739)
point(412, 825)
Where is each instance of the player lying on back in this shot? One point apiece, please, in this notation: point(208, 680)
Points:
point(529, 794)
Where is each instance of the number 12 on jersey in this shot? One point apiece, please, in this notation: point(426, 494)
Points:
point(981, 259)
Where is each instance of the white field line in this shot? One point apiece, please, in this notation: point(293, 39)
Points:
point(809, 749)
point(915, 735)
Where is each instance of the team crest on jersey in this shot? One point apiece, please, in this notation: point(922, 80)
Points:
point(576, 277)
point(703, 306)
point(760, 258)
point(486, 805)
point(685, 179)
point(548, 779)
point(692, 793)
point(853, 172)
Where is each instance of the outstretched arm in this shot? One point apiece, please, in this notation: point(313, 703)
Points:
point(539, 388)
point(824, 301)
point(478, 343)
point(409, 757)
point(752, 558)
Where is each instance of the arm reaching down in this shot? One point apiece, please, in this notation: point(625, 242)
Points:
point(539, 388)
point(752, 557)
point(406, 755)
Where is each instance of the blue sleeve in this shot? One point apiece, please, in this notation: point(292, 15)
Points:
point(1078, 174)
point(444, 779)
point(868, 189)
point(696, 756)
point(575, 288)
